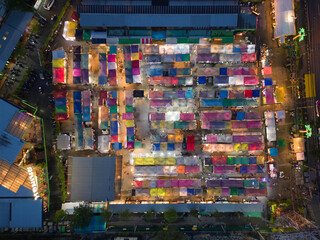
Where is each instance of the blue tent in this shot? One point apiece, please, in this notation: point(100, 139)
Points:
point(255, 93)
point(252, 160)
point(202, 80)
point(77, 95)
point(223, 71)
point(189, 94)
point(76, 80)
point(172, 71)
point(261, 168)
point(268, 81)
point(243, 169)
point(76, 107)
point(211, 102)
point(273, 152)
point(116, 146)
point(113, 128)
point(224, 94)
point(170, 147)
point(190, 192)
point(102, 80)
point(113, 94)
point(156, 147)
point(241, 192)
point(240, 115)
point(158, 35)
point(113, 49)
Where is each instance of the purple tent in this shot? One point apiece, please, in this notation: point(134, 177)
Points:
point(252, 115)
point(160, 102)
point(157, 116)
point(212, 183)
point(102, 68)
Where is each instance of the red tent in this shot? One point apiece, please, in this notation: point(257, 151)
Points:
point(248, 93)
point(60, 94)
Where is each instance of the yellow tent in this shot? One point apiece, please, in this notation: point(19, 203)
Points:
point(155, 125)
point(138, 161)
point(163, 124)
point(279, 94)
point(58, 63)
point(154, 192)
point(134, 56)
point(237, 147)
point(161, 192)
point(214, 192)
point(160, 161)
point(149, 161)
point(244, 147)
point(129, 123)
point(260, 160)
point(171, 161)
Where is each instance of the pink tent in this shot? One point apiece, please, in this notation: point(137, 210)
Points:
point(212, 138)
point(185, 183)
point(135, 71)
point(252, 169)
point(77, 72)
point(253, 71)
point(186, 116)
point(138, 184)
point(156, 94)
point(161, 103)
point(174, 81)
point(225, 191)
point(174, 183)
point(127, 116)
point(252, 115)
point(269, 96)
point(267, 71)
point(218, 169)
point(112, 80)
point(252, 138)
point(192, 169)
point(157, 116)
point(111, 58)
point(255, 147)
point(218, 115)
point(163, 183)
point(238, 124)
point(229, 169)
point(219, 160)
point(205, 125)
point(251, 80)
point(237, 71)
point(254, 124)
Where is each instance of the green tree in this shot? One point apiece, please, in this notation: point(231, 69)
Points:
point(171, 215)
point(194, 213)
point(18, 5)
point(150, 215)
point(106, 215)
point(82, 216)
point(125, 215)
point(59, 216)
point(170, 235)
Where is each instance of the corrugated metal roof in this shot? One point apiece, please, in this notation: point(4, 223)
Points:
point(11, 32)
point(91, 178)
point(285, 19)
point(158, 20)
point(212, 207)
point(129, 9)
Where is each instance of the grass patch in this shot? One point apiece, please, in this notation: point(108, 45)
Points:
point(54, 28)
point(61, 178)
point(22, 82)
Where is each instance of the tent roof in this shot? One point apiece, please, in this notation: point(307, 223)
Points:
point(285, 19)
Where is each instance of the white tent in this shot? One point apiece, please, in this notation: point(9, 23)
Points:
point(271, 133)
point(298, 145)
point(103, 143)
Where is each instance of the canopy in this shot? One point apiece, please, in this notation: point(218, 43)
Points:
point(273, 151)
point(298, 145)
point(285, 19)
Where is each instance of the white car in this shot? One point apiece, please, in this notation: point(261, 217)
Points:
point(49, 5)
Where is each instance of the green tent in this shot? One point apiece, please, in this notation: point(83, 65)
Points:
point(230, 161)
point(281, 143)
point(86, 35)
point(130, 138)
point(234, 191)
point(129, 40)
point(129, 109)
point(137, 145)
point(245, 160)
point(61, 109)
point(186, 57)
point(187, 40)
point(113, 109)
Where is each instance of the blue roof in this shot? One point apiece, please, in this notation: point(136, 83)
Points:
point(12, 145)
point(22, 192)
point(20, 213)
point(158, 20)
point(92, 178)
point(10, 33)
point(181, 207)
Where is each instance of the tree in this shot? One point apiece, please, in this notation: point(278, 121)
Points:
point(106, 215)
point(170, 235)
point(194, 213)
point(171, 215)
point(18, 5)
point(59, 216)
point(82, 216)
point(150, 215)
point(125, 215)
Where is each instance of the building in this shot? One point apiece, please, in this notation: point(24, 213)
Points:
point(11, 31)
point(91, 179)
point(178, 18)
point(19, 207)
